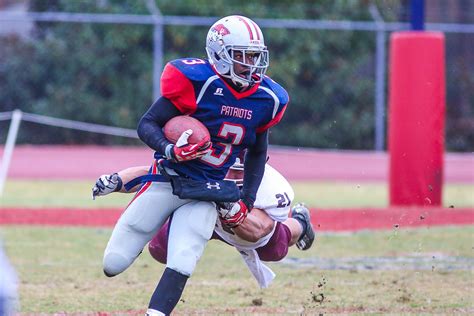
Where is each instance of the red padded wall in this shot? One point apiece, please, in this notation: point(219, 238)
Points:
point(416, 118)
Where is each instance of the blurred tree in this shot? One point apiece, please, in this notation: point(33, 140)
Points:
point(102, 73)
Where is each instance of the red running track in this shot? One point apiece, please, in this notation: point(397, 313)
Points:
point(89, 162)
point(323, 219)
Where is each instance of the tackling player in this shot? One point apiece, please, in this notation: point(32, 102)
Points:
point(265, 234)
point(230, 94)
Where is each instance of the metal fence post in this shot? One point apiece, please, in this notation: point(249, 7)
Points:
point(158, 29)
point(157, 58)
point(380, 91)
point(380, 61)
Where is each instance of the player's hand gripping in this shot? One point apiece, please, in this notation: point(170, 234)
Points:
point(232, 214)
point(106, 184)
point(183, 151)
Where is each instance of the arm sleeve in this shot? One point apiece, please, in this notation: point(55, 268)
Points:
point(150, 126)
point(254, 168)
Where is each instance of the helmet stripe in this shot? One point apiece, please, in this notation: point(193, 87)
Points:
point(257, 29)
point(241, 18)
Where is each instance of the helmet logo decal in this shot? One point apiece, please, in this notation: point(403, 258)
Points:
point(221, 30)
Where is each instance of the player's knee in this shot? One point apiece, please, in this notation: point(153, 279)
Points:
point(184, 263)
point(277, 247)
point(273, 254)
point(184, 257)
point(186, 246)
point(115, 263)
point(281, 253)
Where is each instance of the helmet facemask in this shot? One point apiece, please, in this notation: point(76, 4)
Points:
point(236, 173)
point(253, 60)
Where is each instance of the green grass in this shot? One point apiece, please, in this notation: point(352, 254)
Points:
point(60, 271)
point(61, 268)
point(317, 194)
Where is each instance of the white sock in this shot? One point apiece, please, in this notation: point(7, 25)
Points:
point(153, 312)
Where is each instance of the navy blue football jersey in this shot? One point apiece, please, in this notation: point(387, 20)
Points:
point(232, 118)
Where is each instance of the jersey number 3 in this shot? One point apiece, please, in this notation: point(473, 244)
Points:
point(236, 132)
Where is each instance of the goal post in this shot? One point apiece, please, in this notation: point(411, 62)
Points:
point(416, 118)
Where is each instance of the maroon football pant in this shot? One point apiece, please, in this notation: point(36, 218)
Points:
point(275, 250)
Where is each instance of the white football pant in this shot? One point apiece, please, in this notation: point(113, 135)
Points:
point(191, 227)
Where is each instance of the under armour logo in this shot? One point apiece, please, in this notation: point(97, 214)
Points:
point(219, 92)
point(216, 186)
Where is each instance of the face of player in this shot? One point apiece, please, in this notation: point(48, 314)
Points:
point(249, 58)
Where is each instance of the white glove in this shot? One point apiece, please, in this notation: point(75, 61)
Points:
point(106, 184)
point(183, 139)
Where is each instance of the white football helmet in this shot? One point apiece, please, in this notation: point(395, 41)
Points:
point(233, 34)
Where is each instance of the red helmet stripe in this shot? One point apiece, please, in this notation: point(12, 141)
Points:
point(241, 18)
point(257, 30)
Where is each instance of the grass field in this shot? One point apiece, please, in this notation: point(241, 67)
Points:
point(399, 271)
point(60, 271)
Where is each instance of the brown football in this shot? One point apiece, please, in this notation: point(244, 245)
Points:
point(178, 124)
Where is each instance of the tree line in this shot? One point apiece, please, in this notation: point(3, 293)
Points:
point(102, 73)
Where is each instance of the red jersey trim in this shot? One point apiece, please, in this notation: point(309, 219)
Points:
point(176, 87)
point(237, 95)
point(273, 122)
point(154, 170)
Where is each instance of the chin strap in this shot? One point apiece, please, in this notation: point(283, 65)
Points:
point(239, 85)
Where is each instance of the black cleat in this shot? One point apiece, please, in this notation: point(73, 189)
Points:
point(301, 213)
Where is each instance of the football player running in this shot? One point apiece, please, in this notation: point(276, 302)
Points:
point(265, 234)
point(230, 94)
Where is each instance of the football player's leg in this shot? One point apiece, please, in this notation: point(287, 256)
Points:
point(306, 236)
point(159, 244)
point(143, 217)
point(277, 247)
point(295, 229)
point(191, 228)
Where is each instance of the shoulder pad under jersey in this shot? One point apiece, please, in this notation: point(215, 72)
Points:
point(280, 98)
point(277, 89)
point(181, 79)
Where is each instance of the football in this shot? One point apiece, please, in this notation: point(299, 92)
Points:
point(178, 124)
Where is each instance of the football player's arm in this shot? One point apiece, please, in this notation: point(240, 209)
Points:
point(150, 132)
point(254, 168)
point(233, 214)
point(115, 182)
point(129, 174)
point(255, 226)
point(150, 126)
